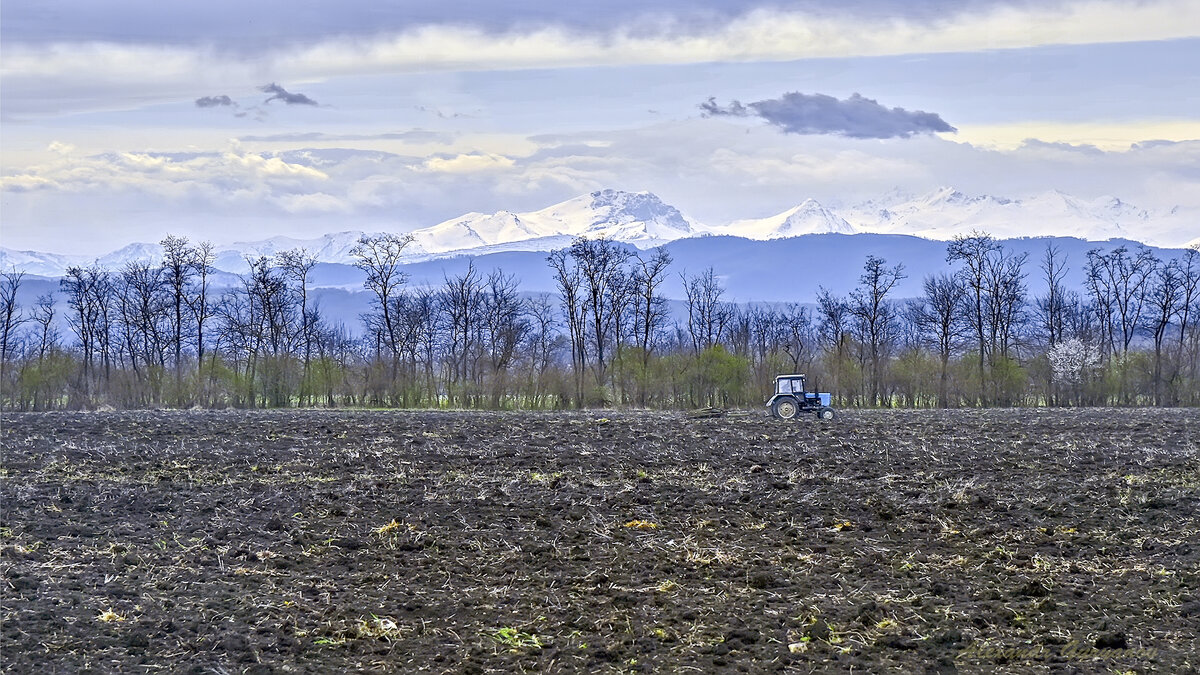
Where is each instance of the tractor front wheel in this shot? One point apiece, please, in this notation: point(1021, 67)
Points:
point(785, 408)
point(826, 413)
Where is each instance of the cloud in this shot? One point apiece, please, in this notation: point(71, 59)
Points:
point(855, 117)
point(316, 202)
point(715, 170)
point(468, 163)
point(413, 136)
point(214, 101)
point(60, 148)
point(48, 78)
point(278, 93)
point(1108, 136)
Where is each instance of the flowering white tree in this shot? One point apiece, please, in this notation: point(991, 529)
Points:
point(1072, 361)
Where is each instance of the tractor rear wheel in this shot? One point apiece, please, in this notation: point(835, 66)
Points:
point(785, 408)
point(826, 413)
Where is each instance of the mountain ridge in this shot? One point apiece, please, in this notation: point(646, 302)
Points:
point(644, 221)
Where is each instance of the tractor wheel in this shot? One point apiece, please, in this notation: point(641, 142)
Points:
point(826, 413)
point(785, 408)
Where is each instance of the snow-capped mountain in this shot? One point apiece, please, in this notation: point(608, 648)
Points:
point(332, 248)
point(137, 252)
point(947, 212)
point(37, 262)
point(637, 218)
point(643, 220)
point(807, 218)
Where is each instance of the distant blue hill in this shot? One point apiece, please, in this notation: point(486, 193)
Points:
point(775, 271)
point(780, 270)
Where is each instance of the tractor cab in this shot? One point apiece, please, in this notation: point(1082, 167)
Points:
point(789, 384)
point(792, 396)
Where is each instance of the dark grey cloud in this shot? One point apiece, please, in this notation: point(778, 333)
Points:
point(214, 101)
point(855, 117)
point(278, 93)
point(251, 26)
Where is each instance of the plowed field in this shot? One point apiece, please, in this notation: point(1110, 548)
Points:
point(229, 542)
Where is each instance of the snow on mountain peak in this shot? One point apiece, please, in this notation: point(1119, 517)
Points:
point(947, 212)
point(633, 217)
point(638, 218)
point(947, 195)
point(645, 221)
point(810, 217)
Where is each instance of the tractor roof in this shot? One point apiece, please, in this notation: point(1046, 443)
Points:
point(785, 377)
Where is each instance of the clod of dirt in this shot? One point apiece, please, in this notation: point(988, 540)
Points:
point(895, 642)
point(819, 631)
point(1033, 589)
point(949, 637)
point(739, 638)
point(868, 613)
point(1111, 640)
point(347, 543)
point(1190, 609)
point(137, 642)
point(762, 580)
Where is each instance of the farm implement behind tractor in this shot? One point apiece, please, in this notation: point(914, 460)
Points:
point(792, 398)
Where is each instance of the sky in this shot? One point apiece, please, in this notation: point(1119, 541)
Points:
point(231, 121)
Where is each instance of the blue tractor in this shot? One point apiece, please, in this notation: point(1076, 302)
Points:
point(791, 398)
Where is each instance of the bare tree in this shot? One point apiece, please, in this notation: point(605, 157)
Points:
point(178, 257)
point(461, 302)
point(424, 323)
point(649, 307)
point(994, 279)
point(833, 331)
point(297, 264)
point(43, 388)
point(767, 332)
point(144, 300)
point(1189, 271)
point(1118, 282)
point(1006, 302)
point(939, 314)
point(1052, 306)
point(541, 340)
point(708, 314)
point(876, 316)
point(380, 257)
point(89, 294)
point(505, 326)
point(797, 335)
point(1187, 351)
point(200, 306)
point(47, 333)
point(975, 251)
point(10, 320)
point(1165, 293)
point(569, 277)
point(601, 267)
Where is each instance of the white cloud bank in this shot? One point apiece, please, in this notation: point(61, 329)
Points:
point(713, 170)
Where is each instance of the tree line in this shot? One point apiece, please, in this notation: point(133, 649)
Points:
point(160, 335)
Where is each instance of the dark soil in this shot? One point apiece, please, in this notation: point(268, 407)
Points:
point(258, 542)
